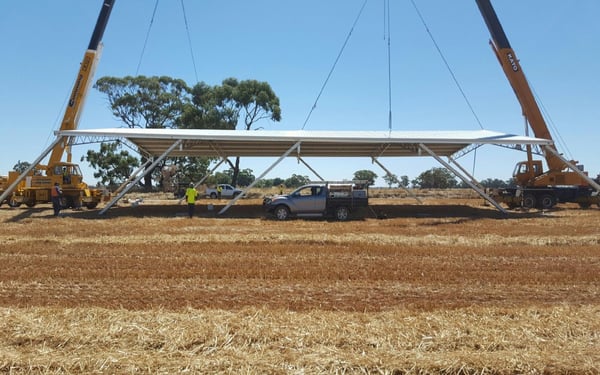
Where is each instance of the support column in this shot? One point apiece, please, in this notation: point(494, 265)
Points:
point(137, 179)
point(465, 180)
point(471, 177)
point(573, 167)
point(133, 175)
point(206, 176)
point(390, 174)
point(285, 155)
point(311, 169)
point(34, 164)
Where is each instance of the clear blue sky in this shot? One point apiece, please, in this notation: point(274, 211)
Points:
point(292, 45)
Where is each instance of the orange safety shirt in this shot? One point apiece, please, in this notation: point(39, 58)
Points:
point(55, 192)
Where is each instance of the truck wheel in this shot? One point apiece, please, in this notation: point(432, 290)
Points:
point(584, 205)
point(529, 201)
point(13, 203)
point(30, 204)
point(281, 212)
point(213, 195)
point(342, 213)
point(547, 201)
point(91, 205)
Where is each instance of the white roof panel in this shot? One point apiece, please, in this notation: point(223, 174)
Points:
point(206, 142)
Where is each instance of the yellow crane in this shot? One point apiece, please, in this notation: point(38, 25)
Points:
point(564, 180)
point(35, 187)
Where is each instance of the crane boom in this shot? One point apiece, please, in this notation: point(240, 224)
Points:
point(564, 181)
point(83, 81)
point(513, 71)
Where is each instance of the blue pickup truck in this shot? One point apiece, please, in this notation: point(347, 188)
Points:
point(338, 200)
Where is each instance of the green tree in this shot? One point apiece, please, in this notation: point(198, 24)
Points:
point(222, 178)
point(365, 175)
point(146, 102)
point(189, 169)
point(231, 104)
point(435, 178)
point(494, 183)
point(404, 181)
point(21, 166)
point(296, 180)
point(391, 179)
point(112, 166)
point(245, 176)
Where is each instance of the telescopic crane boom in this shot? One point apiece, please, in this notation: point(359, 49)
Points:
point(83, 82)
point(34, 185)
point(536, 187)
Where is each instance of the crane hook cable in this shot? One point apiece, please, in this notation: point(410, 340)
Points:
point(559, 139)
point(389, 58)
point(187, 29)
point(146, 40)
point(446, 63)
point(335, 63)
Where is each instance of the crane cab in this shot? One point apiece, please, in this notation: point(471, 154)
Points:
point(526, 171)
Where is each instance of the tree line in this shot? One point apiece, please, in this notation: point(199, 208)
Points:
point(434, 178)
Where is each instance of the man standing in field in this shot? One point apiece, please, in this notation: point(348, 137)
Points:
point(56, 194)
point(191, 194)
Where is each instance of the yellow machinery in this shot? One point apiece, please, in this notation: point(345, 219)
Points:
point(35, 187)
point(564, 181)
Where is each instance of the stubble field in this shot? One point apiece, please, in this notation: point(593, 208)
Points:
point(450, 286)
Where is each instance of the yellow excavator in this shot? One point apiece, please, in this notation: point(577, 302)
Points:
point(564, 180)
point(35, 187)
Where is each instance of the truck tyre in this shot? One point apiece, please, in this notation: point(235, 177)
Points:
point(91, 205)
point(342, 213)
point(584, 205)
point(13, 203)
point(282, 212)
point(529, 201)
point(547, 202)
point(213, 195)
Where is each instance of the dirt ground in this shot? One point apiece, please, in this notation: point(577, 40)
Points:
point(427, 256)
point(443, 256)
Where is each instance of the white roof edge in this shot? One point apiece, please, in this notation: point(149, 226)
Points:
point(396, 136)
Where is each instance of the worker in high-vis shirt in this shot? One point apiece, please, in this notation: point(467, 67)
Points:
point(191, 194)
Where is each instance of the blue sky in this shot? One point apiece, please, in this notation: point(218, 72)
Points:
point(292, 45)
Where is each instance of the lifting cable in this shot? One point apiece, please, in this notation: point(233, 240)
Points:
point(334, 64)
point(187, 29)
point(387, 35)
point(447, 65)
point(146, 40)
point(550, 122)
point(188, 38)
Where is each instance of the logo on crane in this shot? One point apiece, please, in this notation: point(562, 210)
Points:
point(85, 65)
point(513, 62)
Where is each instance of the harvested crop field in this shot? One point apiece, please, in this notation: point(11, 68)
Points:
point(450, 286)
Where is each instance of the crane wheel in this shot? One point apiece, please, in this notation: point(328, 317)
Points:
point(529, 201)
point(547, 201)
